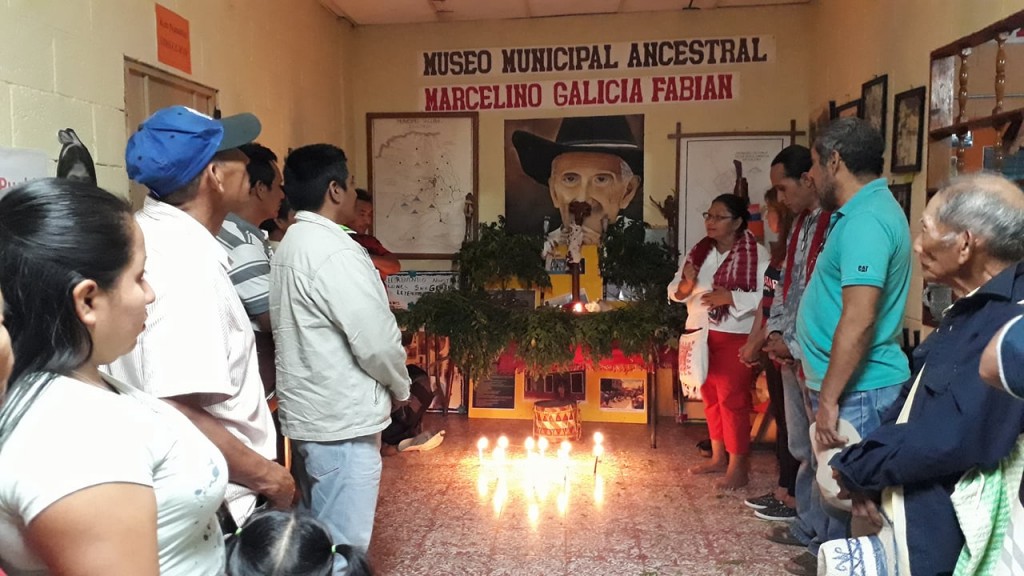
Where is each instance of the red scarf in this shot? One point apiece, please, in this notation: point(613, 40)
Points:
point(817, 242)
point(737, 272)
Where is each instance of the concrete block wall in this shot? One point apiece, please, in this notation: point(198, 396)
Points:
point(62, 66)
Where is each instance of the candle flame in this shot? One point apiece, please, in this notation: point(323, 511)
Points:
point(503, 441)
point(598, 451)
point(542, 444)
point(598, 438)
point(481, 444)
point(529, 444)
point(565, 447)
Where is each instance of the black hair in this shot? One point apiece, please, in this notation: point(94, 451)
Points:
point(363, 195)
point(284, 210)
point(859, 145)
point(280, 543)
point(54, 233)
point(795, 160)
point(261, 164)
point(309, 171)
point(737, 206)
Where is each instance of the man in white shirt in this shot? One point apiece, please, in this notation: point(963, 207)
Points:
point(197, 351)
point(340, 361)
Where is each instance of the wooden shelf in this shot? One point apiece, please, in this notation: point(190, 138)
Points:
point(1006, 118)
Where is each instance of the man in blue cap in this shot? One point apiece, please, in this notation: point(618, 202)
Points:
point(198, 350)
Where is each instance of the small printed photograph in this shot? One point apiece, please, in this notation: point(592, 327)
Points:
point(623, 395)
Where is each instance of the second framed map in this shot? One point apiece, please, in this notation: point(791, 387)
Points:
point(423, 174)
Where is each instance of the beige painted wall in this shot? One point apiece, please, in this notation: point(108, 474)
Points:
point(385, 58)
point(855, 40)
point(61, 65)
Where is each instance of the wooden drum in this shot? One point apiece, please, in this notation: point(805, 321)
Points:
point(557, 420)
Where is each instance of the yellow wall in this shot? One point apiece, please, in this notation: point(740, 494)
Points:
point(62, 65)
point(855, 40)
point(385, 57)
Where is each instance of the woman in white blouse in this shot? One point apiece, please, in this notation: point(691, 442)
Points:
point(720, 282)
point(96, 478)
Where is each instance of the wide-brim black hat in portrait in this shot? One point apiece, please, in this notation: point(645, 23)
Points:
point(603, 134)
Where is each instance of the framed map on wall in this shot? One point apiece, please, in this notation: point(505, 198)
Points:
point(424, 179)
point(723, 164)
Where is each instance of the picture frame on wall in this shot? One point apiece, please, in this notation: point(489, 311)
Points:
point(874, 97)
point(908, 130)
point(848, 110)
point(902, 194)
point(424, 178)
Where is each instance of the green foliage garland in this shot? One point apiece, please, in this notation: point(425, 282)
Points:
point(480, 324)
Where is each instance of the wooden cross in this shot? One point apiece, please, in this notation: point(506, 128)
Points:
point(579, 211)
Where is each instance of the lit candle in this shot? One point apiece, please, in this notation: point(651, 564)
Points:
point(529, 444)
point(565, 447)
point(503, 442)
point(481, 445)
point(598, 451)
point(533, 511)
point(542, 445)
point(598, 438)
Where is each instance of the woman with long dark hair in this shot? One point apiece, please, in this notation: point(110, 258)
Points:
point(97, 477)
point(720, 282)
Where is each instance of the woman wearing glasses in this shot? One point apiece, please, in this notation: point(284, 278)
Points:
point(720, 283)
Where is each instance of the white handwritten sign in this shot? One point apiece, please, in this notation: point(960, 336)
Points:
point(405, 288)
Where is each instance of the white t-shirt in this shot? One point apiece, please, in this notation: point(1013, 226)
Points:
point(198, 337)
point(76, 436)
point(740, 318)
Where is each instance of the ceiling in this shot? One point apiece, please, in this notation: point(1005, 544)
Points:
point(372, 12)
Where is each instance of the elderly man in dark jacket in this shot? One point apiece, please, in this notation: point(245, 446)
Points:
point(947, 421)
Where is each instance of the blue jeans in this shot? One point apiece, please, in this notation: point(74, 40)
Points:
point(863, 410)
point(809, 517)
point(340, 482)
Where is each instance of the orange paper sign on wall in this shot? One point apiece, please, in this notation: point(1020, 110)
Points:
point(173, 46)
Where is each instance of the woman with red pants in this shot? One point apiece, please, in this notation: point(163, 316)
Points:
point(720, 283)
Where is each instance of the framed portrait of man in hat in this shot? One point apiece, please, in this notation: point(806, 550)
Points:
point(551, 163)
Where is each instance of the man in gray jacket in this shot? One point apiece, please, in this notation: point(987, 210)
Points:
point(340, 361)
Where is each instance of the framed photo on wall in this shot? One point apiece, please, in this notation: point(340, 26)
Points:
point(908, 130)
point(874, 97)
point(902, 194)
point(718, 164)
point(423, 175)
point(849, 110)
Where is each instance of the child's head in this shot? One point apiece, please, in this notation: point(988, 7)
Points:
point(277, 543)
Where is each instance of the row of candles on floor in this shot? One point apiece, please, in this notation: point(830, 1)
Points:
point(539, 473)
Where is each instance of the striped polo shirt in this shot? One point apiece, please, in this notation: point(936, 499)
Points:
point(249, 255)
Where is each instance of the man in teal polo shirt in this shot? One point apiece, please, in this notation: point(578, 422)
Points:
point(852, 311)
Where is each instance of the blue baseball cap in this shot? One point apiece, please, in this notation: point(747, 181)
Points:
point(173, 146)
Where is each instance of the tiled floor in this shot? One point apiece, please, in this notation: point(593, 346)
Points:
point(437, 517)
